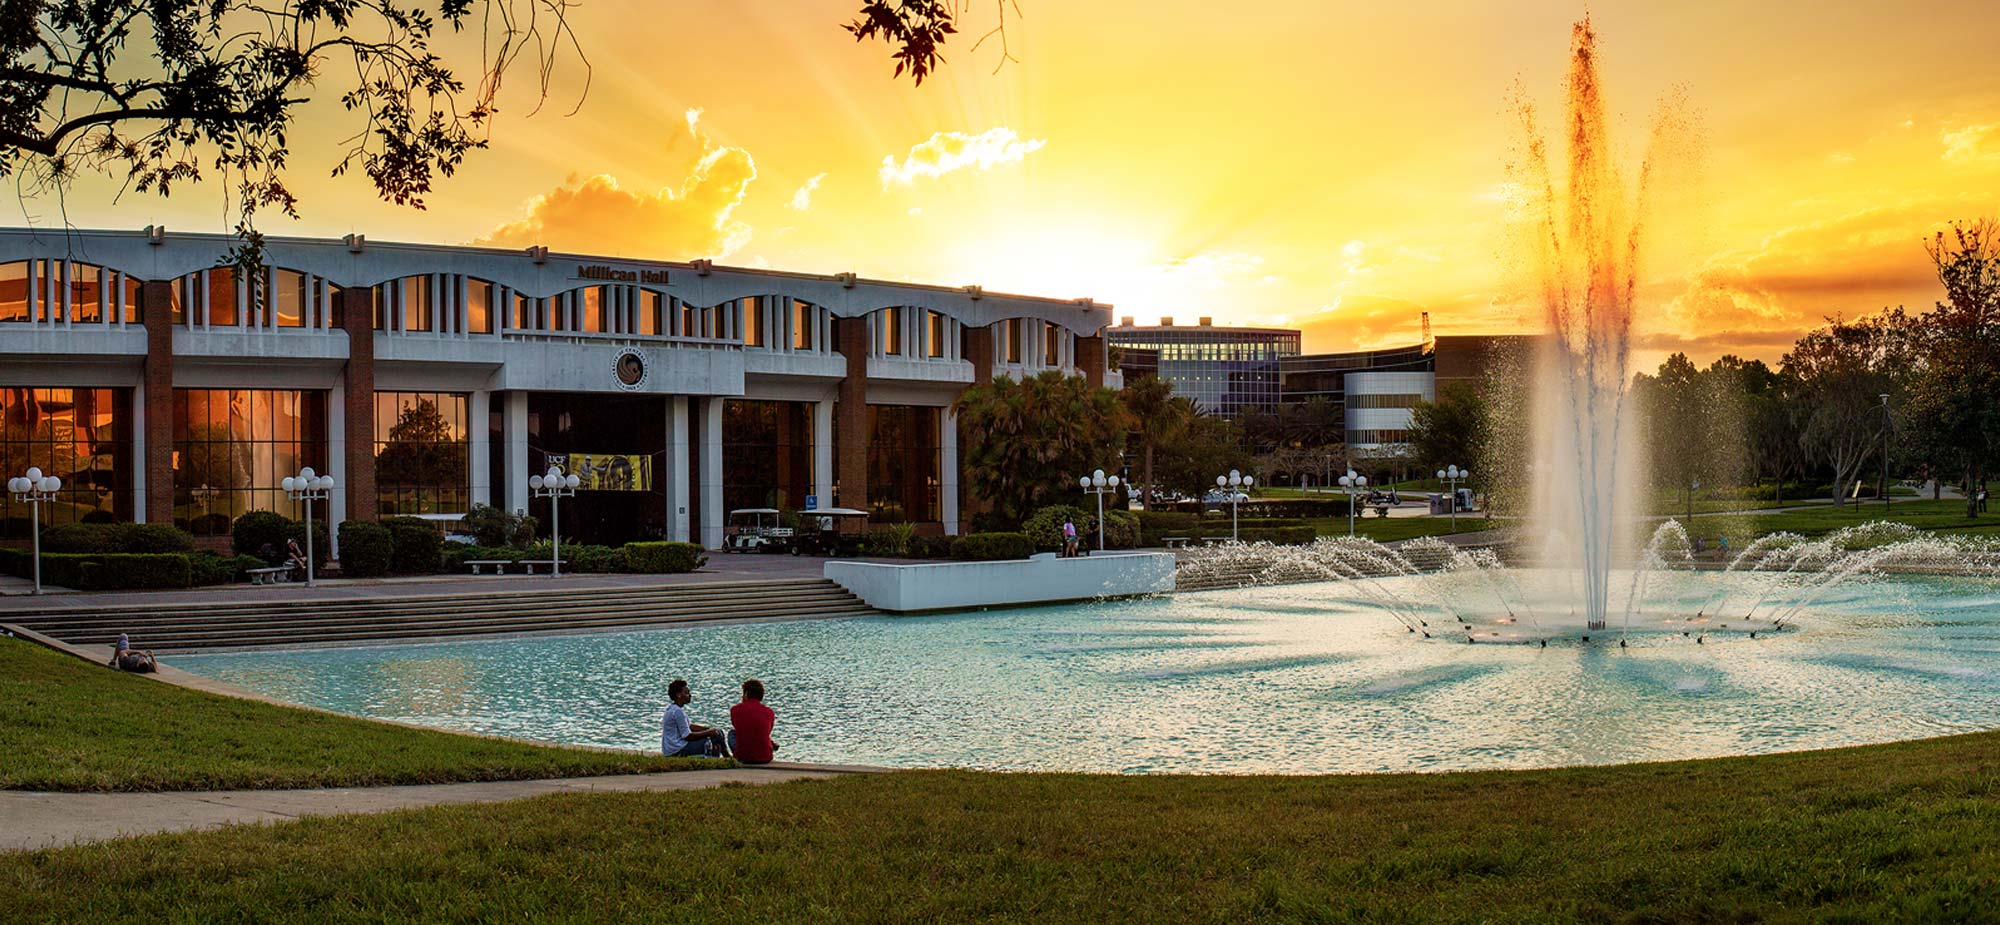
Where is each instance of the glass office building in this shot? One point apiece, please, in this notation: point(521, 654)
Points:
point(1227, 371)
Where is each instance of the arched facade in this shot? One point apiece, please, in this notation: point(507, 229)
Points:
point(726, 386)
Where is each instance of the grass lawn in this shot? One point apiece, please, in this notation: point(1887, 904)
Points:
point(1903, 832)
point(1942, 517)
point(68, 725)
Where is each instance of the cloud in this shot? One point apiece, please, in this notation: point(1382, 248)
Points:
point(945, 152)
point(596, 214)
point(1972, 143)
point(802, 198)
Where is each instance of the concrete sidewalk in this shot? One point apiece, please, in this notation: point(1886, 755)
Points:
point(31, 820)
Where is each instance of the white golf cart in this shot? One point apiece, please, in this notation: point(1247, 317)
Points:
point(757, 529)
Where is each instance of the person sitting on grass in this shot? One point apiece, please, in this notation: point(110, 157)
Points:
point(124, 658)
point(682, 739)
point(750, 726)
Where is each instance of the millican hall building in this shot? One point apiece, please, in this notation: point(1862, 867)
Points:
point(163, 387)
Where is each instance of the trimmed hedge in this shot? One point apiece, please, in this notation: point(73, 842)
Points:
point(107, 538)
point(109, 571)
point(414, 545)
point(365, 549)
point(986, 547)
point(664, 558)
point(261, 534)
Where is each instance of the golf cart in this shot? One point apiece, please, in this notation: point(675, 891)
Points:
point(831, 531)
point(757, 529)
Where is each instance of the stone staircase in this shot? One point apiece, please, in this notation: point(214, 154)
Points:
point(350, 621)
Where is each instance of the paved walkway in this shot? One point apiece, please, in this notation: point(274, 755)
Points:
point(31, 820)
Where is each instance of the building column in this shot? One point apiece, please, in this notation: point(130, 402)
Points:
point(135, 413)
point(823, 412)
point(979, 349)
point(477, 410)
point(514, 430)
point(713, 517)
point(1091, 359)
point(357, 316)
point(336, 450)
point(851, 339)
point(677, 469)
point(948, 469)
point(157, 398)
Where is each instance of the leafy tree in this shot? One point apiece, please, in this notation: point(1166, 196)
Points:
point(1453, 430)
point(1842, 370)
point(1157, 416)
point(1034, 437)
point(1956, 398)
point(1207, 447)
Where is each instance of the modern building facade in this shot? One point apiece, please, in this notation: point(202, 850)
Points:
point(1227, 371)
point(164, 386)
point(1377, 389)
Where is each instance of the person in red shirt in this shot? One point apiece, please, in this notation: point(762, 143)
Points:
point(751, 722)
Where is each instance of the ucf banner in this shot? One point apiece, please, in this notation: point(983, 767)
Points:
point(612, 471)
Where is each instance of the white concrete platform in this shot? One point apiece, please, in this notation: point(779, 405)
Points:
point(1045, 579)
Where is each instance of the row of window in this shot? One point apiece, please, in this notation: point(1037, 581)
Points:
point(1377, 436)
point(1408, 400)
point(54, 291)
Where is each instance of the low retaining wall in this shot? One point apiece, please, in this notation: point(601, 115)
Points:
point(1010, 583)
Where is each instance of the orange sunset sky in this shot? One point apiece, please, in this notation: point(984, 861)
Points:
point(1335, 166)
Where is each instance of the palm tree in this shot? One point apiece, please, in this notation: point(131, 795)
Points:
point(1030, 439)
point(1158, 416)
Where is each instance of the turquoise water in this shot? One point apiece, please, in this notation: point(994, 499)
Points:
point(1296, 679)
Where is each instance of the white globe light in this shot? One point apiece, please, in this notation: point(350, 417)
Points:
point(51, 484)
point(1440, 473)
point(1097, 476)
point(1247, 480)
point(307, 473)
point(1114, 481)
point(574, 481)
point(1361, 480)
point(288, 483)
point(34, 474)
point(17, 484)
point(555, 472)
point(1083, 481)
point(326, 483)
point(1465, 473)
point(535, 482)
point(1222, 480)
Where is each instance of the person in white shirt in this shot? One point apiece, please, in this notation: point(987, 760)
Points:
point(682, 739)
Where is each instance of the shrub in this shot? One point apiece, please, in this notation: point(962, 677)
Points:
point(892, 540)
point(365, 549)
point(321, 549)
point(414, 544)
point(1121, 530)
point(77, 538)
point(664, 558)
point(120, 571)
point(261, 534)
point(1044, 529)
point(207, 568)
point(100, 516)
point(983, 547)
point(494, 528)
point(931, 547)
point(152, 538)
point(596, 560)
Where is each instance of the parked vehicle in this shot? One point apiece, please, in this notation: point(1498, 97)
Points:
point(758, 529)
point(833, 531)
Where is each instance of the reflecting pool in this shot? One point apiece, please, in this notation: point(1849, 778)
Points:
point(1295, 679)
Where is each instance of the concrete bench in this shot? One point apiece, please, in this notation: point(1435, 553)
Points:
point(268, 576)
point(530, 564)
point(499, 565)
point(1175, 542)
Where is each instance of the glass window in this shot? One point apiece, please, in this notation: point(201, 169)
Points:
point(85, 293)
point(14, 291)
point(753, 322)
point(767, 454)
point(82, 436)
point(690, 321)
point(422, 453)
point(479, 306)
point(903, 461)
point(524, 314)
point(134, 313)
point(802, 325)
point(1011, 337)
point(935, 341)
point(1051, 344)
point(291, 298)
point(222, 297)
point(652, 310)
point(232, 448)
point(416, 298)
point(593, 309)
point(892, 331)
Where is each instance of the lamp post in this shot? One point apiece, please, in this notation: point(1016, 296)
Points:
point(308, 486)
point(555, 486)
point(1232, 483)
point(1099, 484)
point(33, 490)
point(1885, 454)
point(1353, 481)
point(1451, 475)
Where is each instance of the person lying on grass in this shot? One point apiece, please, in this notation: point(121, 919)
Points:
point(751, 722)
point(124, 659)
point(682, 739)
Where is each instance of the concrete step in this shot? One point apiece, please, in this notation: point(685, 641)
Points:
point(285, 623)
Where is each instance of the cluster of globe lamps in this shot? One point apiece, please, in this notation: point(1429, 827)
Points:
point(308, 486)
point(34, 489)
point(555, 486)
point(1099, 484)
point(1231, 482)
